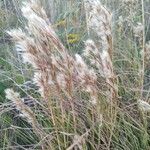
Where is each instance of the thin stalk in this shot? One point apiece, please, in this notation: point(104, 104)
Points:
point(143, 49)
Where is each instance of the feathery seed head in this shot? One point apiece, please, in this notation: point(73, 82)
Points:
point(17, 35)
point(15, 97)
point(90, 49)
point(144, 106)
point(107, 65)
point(99, 24)
point(138, 29)
point(61, 80)
point(11, 95)
point(80, 62)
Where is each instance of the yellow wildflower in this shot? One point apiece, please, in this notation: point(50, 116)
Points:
point(61, 23)
point(73, 38)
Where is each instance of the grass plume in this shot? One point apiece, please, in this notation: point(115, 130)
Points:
point(93, 99)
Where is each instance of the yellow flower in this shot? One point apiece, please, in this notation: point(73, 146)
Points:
point(61, 23)
point(73, 38)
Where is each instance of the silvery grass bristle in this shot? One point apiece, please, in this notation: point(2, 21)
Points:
point(100, 50)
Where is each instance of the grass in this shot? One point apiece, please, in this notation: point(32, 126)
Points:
point(64, 91)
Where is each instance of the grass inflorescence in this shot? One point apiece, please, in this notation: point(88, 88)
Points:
point(80, 80)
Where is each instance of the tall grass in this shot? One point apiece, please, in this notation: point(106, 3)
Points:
point(83, 78)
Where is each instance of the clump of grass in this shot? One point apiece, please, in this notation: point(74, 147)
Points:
point(75, 104)
point(63, 79)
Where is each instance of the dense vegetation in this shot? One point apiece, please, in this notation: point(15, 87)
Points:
point(75, 74)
